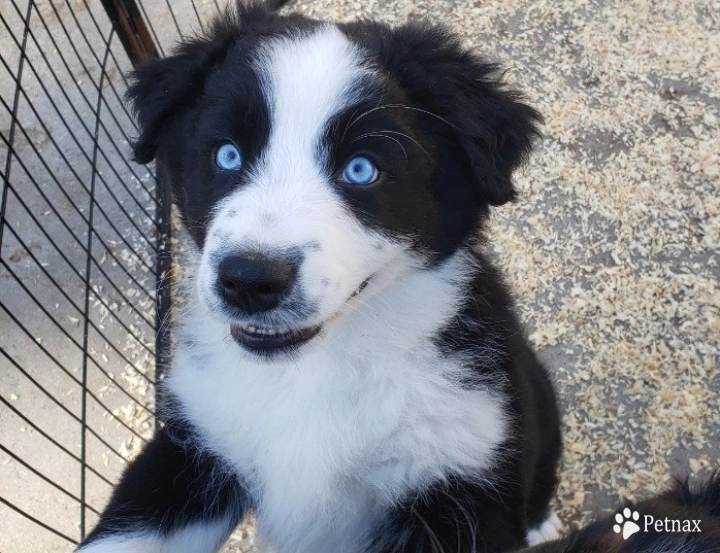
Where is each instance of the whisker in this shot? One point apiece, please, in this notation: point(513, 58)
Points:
point(436, 544)
point(347, 127)
point(469, 517)
point(411, 139)
point(399, 106)
point(367, 135)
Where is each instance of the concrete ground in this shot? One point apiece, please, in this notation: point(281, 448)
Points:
point(612, 248)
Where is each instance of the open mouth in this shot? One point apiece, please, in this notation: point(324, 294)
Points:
point(271, 340)
point(268, 340)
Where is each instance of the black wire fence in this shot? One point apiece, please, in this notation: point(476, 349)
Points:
point(84, 259)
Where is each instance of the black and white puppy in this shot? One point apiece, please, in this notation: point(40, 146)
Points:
point(348, 368)
point(685, 519)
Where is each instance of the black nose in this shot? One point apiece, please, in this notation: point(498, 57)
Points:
point(255, 283)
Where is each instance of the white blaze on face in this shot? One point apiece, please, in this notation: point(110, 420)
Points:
point(290, 202)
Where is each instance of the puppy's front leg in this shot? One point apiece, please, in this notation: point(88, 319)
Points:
point(457, 514)
point(174, 498)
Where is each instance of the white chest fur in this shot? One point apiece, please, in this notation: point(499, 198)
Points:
point(326, 440)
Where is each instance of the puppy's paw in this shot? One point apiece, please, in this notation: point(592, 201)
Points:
point(550, 529)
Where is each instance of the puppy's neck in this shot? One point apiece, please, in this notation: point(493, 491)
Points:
point(407, 309)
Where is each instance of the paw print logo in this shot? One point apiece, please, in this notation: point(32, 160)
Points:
point(627, 523)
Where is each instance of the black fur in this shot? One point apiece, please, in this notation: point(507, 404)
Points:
point(487, 324)
point(468, 108)
point(459, 514)
point(170, 484)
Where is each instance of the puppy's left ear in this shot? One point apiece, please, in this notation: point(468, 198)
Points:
point(162, 89)
point(490, 124)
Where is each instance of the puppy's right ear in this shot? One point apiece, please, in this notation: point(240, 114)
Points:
point(164, 88)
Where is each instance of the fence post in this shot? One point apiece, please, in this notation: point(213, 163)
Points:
point(131, 29)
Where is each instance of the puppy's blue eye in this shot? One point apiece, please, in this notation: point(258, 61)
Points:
point(360, 170)
point(227, 157)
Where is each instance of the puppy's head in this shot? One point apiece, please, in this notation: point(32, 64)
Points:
point(313, 163)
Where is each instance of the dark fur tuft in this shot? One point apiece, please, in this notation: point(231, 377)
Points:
point(164, 88)
point(481, 116)
point(686, 501)
point(705, 496)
